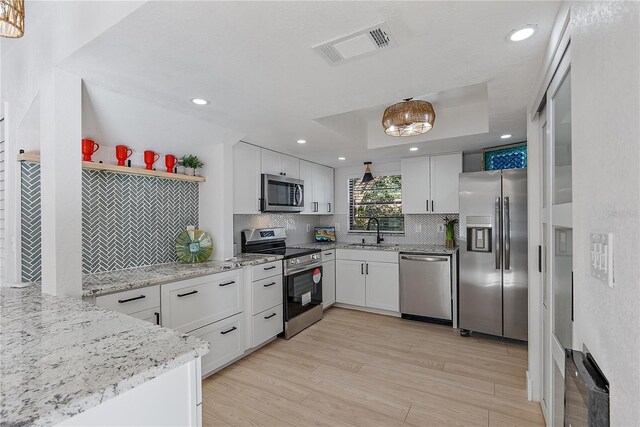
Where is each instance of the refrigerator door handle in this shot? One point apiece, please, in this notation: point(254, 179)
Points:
point(498, 233)
point(507, 235)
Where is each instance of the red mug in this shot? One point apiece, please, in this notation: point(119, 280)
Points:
point(150, 157)
point(123, 153)
point(89, 146)
point(170, 162)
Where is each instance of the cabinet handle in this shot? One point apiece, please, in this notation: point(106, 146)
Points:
point(329, 253)
point(259, 204)
point(284, 173)
point(367, 270)
point(157, 318)
point(227, 284)
point(122, 301)
point(329, 209)
point(227, 331)
point(432, 210)
point(361, 268)
point(427, 203)
point(269, 284)
point(188, 293)
point(269, 268)
point(269, 316)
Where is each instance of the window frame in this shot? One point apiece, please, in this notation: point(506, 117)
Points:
point(369, 232)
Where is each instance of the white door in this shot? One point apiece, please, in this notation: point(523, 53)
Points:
point(350, 282)
point(306, 174)
point(319, 197)
point(290, 166)
point(416, 193)
point(246, 179)
point(445, 183)
point(271, 162)
point(328, 283)
point(328, 189)
point(383, 286)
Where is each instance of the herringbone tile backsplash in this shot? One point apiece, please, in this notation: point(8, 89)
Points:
point(127, 220)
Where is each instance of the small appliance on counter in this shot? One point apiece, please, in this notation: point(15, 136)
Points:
point(302, 281)
point(324, 234)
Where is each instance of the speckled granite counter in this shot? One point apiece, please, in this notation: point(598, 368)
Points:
point(431, 249)
point(139, 277)
point(60, 356)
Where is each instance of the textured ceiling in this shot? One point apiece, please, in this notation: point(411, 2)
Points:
point(254, 62)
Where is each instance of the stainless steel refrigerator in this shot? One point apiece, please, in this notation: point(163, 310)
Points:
point(493, 283)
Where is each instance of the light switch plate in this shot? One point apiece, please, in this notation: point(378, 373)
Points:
point(602, 265)
point(418, 228)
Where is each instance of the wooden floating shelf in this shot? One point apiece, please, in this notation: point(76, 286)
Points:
point(35, 158)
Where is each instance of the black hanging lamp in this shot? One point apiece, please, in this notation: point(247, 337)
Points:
point(368, 176)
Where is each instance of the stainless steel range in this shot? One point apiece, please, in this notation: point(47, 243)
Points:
point(302, 282)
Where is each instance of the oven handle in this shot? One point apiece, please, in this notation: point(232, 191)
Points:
point(291, 271)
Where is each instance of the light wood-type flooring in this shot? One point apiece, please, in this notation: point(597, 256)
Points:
point(362, 369)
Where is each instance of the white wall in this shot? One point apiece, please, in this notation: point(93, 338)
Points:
point(605, 76)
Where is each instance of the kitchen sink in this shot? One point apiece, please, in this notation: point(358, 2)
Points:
point(371, 245)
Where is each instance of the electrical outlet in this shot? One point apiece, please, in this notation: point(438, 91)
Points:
point(337, 226)
point(418, 228)
point(601, 248)
point(308, 228)
point(441, 228)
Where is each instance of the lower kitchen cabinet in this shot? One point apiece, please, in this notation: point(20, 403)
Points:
point(382, 286)
point(152, 315)
point(226, 340)
point(350, 282)
point(267, 325)
point(368, 279)
point(328, 279)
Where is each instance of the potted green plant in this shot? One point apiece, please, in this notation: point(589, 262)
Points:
point(450, 231)
point(190, 163)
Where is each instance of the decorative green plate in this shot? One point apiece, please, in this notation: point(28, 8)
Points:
point(193, 246)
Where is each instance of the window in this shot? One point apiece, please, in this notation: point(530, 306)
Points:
point(380, 198)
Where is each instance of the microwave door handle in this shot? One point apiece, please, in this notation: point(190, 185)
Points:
point(298, 195)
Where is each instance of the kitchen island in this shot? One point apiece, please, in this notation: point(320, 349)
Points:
point(66, 362)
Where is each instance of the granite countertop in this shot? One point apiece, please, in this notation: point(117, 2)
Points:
point(60, 356)
point(431, 249)
point(121, 280)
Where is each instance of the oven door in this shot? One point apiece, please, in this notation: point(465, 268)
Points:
point(302, 291)
point(282, 194)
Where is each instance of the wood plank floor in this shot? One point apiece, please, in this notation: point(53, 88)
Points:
point(361, 369)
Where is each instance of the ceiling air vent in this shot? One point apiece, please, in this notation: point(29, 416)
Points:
point(354, 45)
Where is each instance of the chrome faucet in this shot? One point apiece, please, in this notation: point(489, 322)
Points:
point(378, 237)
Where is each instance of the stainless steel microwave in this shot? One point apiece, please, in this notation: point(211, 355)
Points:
point(282, 194)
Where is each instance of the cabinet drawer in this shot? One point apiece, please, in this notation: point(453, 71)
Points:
point(269, 269)
point(152, 315)
point(132, 301)
point(266, 293)
point(193, 303)
point(267, 325)
point(328, 255)
point(371, 255)
point(225, 338)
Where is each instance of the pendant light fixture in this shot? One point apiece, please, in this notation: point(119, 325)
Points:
point(11, 18)
point(408, 118)
point(368, 176)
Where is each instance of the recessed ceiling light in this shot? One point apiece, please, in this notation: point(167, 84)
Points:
point(301, 141)
point(199, 101)
point(342, 158)
point(506, 136)
point(413, 149)
point(520, 34)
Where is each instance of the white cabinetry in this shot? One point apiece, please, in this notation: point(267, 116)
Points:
point(246, 179)
point(266, 302)
point(274, 163)
point(368, 279)
point(143, 303)
point(226, 340)
point(318, 187)
point(431, 184)
point(328, 278)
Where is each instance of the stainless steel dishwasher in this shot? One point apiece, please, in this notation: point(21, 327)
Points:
point(425, 287)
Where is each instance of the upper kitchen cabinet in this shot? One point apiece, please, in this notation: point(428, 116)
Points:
point(274, 163)
point(246, 178)
point(318, 188)
point(430, 184)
